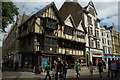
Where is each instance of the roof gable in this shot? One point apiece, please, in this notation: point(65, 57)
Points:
point(42, 11)
point(80, 27)
point(68, 21)
point(72, 8)
point(92, 5)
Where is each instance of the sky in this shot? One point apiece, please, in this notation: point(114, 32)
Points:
point(107, 9)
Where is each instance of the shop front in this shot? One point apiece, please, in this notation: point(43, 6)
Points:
point(96, 56)
point(108, 57)
point(49, 57)
point(82, 59)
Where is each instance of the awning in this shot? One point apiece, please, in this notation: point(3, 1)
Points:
point(97, 51)
point(113, 56)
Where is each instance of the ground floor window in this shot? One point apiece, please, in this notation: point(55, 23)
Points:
point(45, 60)
point(28, 61)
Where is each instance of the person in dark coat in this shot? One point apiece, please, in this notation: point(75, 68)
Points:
point(100, 68)
point(16, 65)
point(109, 69)
point(65, 68)
point(104, 64)
point(47, 69)
point(58, 69)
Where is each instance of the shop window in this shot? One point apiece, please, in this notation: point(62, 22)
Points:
point(28, 60)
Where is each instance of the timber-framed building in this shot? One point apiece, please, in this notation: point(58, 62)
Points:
point(45, 36)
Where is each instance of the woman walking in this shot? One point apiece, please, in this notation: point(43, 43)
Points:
point(91, 68)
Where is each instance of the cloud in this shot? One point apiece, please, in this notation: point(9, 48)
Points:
point(106, 9)
point(64, 0)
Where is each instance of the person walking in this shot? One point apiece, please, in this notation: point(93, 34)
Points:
point(77, 68)
point(16, 65)
point(104, 64)
point(54, 69)
point(47, 69)
point(65, 68)
point(91, 68)
point(113, 67)
point(40, 69)
point(100, 68)
point(58, 69)
point(109, 69)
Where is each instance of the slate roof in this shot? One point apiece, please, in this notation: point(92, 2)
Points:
point(75, 10)
point(72, 8)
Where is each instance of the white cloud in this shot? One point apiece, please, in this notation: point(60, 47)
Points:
point(64, 0)
point(114, 20)
point(104, 8)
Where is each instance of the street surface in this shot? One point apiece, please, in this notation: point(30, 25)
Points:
point(71, 75)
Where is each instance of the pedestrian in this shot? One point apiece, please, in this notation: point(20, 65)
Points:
point(96, 62)
point(0, 65)
point(91, 68)
point(109, 69)
point(77, 68)
point(54, 69)
point(104, 64)
point(16, 65)
point(100, 68)
point(47, 69)
point(117, 68)
point(58, 69)
point(65, 68)
point(40, 69)
point(113, 67)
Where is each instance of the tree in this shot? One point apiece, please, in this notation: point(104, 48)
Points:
point(9, 10)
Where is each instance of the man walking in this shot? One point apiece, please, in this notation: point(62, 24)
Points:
point(47, 69)
point(109, 70)
point(113, 67)
point(65, 67)
point(100, 68)
point(58, 69)
point(78, 68)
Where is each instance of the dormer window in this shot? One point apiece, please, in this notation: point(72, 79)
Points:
point(95, 24)
point(91, 10)
point(89, 19)
point(68, 30)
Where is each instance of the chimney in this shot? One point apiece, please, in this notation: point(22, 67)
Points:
point(105, 26)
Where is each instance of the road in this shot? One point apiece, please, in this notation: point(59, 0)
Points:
point(71, 75)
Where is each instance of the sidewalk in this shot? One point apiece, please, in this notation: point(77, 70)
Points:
point(70, 74)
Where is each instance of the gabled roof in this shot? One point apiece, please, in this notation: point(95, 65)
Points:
point(75, 10)
point(42, 10)
point(91, 2)
point(72, 8)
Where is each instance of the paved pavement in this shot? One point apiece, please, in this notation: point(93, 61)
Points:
point(70, 75)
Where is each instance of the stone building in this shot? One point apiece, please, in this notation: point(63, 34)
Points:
point(106, 43)
point(94, 49)
point(115, 43)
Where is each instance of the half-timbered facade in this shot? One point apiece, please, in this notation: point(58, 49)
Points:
point(38, 37)
point(73, 32)
point(43, 37)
